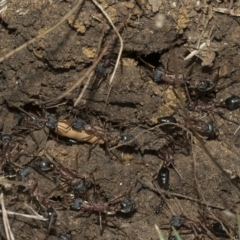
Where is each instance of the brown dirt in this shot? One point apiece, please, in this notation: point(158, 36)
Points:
point(50, 65)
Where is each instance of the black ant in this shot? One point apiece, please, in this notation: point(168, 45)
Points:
point(166, 154)
point(80, 131)
point(31, 122)
point(230, 103)
point(159, 77)
point(185, 222)
point(102, 69)
point(106, 209)
point(202, 128)
point(78, 184)
point(110, 208)
point(38, 193)
point(216, 228)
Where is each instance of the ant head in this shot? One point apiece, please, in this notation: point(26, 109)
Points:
point(76, 204)
point(43, 164)
point(78, 124)
point(205, 86)
point(51, 121)
point(81, 187)
point(64, 236)
point(24, 171)
point(101, 70)
point(6, 138)
point(176, 221)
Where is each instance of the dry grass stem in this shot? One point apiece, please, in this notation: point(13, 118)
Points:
point(150, 186)
point(83, 90)
point(35, 216)
point(44, 33)
point(6, 224)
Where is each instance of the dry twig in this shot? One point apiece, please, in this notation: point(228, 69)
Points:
point(150, 186)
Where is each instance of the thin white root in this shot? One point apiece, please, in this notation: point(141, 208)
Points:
point(195, 52)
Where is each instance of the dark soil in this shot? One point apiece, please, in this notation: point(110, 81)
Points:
point(45, 69)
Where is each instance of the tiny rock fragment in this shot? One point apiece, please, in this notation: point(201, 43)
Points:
point(155, 4)
point(129, 5)
point(129, 62)
point(183, 19)
point(73, 22)
point(64, 152)
point(89, 52)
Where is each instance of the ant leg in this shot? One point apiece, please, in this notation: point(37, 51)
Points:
point(91, 148)
point(188, 95)
point(117, 198)
point(114, 225)
point(179, 174)
point(81, 214)
point(34, 139)
point(18, 153)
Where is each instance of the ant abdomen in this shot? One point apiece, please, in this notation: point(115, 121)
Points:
point(127, 205)
point(232, 103)
point(163, 178)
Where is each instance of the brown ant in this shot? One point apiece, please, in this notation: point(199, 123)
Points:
point(31, 122)
point(66, 175)
point(201, 227)
point(230, 103)
point(202, 128)
point(38, 193)
point(166, 154)
point(158, 76)
point(110, 208)
point(81, 131)
point(102, 69)
point(185, 222)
